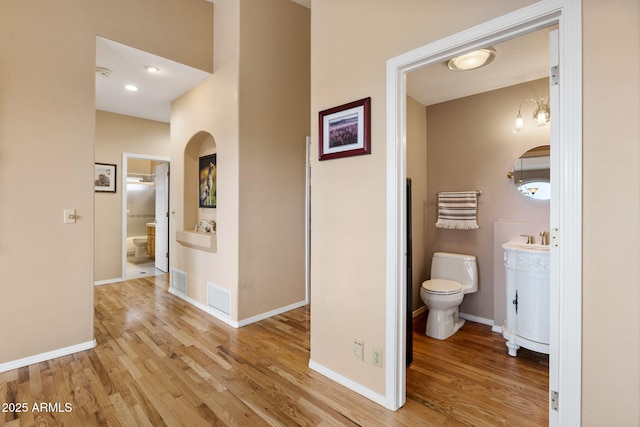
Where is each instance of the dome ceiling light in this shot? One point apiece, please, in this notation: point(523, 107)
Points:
point(472, 60)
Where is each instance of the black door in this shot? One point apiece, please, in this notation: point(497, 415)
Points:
point(409, 319)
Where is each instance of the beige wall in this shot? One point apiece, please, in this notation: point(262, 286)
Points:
point(274, 122)
point(348, 276)
point(349, 197)
point(116, 134)
point(472, 147)
point(256, 108)
point(611, 203)
point(47, 111)
point(182, 29)
point(210, 108)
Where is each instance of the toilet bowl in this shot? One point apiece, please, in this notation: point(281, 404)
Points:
point(140, 244)
point(452, 276)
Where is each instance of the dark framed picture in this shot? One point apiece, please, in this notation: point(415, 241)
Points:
point(105, 178)
point(345, 130)
point(207, 181)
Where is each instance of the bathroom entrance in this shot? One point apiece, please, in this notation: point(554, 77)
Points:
point(565, 205)
point(145, 216)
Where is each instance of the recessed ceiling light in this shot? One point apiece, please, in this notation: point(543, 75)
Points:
point(472, 60)
point(131, 88)
point(151, 68)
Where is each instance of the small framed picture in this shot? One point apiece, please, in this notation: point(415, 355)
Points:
point(345, 130)
point(105, 178)
point(208, 181)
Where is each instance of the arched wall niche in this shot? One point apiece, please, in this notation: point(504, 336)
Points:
point(201, 144)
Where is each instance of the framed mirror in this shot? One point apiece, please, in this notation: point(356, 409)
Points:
point(531, 173)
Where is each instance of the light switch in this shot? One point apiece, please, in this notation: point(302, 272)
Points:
point(69, 216)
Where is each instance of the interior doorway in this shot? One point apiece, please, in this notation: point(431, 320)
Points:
point(145, 228)
point(565, 368)
point(474, 156)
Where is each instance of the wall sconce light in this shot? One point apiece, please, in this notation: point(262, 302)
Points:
point(541, 115)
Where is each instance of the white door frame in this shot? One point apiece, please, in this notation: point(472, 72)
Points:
point(125, 162)
point(161, 249)
point(307, 221)
point(566, 204)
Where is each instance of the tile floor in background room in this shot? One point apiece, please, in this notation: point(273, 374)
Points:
point(141, 268)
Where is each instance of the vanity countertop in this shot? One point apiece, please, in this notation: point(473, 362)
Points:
point(525, 247)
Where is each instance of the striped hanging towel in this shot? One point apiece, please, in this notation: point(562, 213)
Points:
point(457, 210)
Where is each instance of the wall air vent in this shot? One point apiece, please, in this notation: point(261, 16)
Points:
point(179, 281)
point(219, 298)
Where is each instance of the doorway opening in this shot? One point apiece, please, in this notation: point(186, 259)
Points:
point(457, 143)
point(145, 220)
point(565, 369)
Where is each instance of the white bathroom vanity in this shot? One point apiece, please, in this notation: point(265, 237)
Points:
point(527, 317)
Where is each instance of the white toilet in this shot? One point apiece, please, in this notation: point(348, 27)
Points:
point(452, 276)
point(140, 243)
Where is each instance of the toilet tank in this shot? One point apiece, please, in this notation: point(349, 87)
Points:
point(458, 267)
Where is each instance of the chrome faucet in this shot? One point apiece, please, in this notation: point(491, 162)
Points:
point(529, 238)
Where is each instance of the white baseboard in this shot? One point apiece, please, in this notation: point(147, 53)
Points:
point(350, 384)
point(476, 319)
point(211, 311)
point(108, 281)
point(31, 360)
point(496, 328)
point(272, 313)
point(223, 317)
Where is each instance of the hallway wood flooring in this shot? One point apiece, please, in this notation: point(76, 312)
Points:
point(160, 361)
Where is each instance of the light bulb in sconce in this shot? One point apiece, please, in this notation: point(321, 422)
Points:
point(519, 124)
point(542, 117)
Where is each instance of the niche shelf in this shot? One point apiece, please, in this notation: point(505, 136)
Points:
point(201, 144)
point(207, 242)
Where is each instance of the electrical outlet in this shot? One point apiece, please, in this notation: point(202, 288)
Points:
point(358, 349)
point(377, 357)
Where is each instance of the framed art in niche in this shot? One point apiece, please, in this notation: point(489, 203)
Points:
point(208, 181)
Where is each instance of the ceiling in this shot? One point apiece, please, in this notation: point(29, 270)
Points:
point(517, 61)
point(156, 91)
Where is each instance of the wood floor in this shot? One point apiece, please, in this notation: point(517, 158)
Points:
point(160, 361)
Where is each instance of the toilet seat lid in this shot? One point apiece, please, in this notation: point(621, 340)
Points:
point(442, 287)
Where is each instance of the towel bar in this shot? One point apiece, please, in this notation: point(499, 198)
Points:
point(478, 193)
